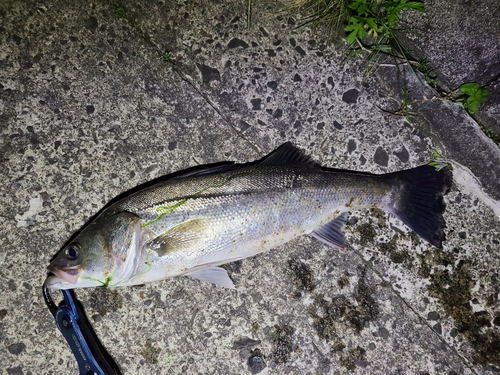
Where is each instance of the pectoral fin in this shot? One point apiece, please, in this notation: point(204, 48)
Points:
point(214, 275)
point(331, 233)
point(187, 235)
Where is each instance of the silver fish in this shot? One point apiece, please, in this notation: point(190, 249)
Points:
point(191, 224)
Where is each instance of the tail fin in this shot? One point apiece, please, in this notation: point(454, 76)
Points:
point(418, 200)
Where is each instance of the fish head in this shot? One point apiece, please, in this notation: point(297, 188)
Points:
point(104, 253)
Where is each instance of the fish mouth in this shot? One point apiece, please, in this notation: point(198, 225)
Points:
point(65, 274)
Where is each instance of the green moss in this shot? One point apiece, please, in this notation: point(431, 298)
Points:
point(328, 315)
point(105, 300)
point(282, 342)
point(351, 357)
point(390, 249)
point(303, 276)
point(367, 234)
point(343, 281)
point(453, 289)
point(150, 353)
point(121, 11)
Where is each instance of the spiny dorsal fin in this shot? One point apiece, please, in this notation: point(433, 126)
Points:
point(287, 155)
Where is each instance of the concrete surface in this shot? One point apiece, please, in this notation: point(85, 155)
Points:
point(460, 42)
point(89, 109)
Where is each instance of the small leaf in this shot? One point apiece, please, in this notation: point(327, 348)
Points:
point(481, 94)
point(392, 19)
point(472, 106)
point(351, 37)
point(416, 5)
point(469, 88)
point(371, 22)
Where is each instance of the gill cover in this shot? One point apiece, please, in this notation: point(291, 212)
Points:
point(102, 254)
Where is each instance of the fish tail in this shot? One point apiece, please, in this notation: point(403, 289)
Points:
point(418, 200)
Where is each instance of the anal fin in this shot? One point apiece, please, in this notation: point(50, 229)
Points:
point(214, 275)
point(331, 233)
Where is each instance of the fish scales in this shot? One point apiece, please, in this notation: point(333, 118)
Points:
point(191, 224)
point(250, 211)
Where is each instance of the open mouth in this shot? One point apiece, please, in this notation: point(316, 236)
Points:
point(68, 274)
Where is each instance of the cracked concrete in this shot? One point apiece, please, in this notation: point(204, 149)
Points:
point(89, 109)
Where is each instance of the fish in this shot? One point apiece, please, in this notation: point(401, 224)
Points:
point(194, 222)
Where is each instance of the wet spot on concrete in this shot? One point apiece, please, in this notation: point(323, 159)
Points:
point(278, 113)
point(352, 358)
point(208, 74)
point(297, 78)
point(12, 285)
point(402, 154)
point(433, 315)
point(172, 145)
point(3, 314)
point(256, 104)
point(17, 348)
point(330, 82)
point(245, 342)
point(327, 315)
point(90, 109)
point(150, 353)
point(337, 125)
point(105, 300)
point(282, 343)
point(16, 39)
point(350, 96)
point(351, 146)
point(437, 328)
point(271, 52)
point(303, 276)
point(235, 43)
point(391, 249)
point(367, 234)
point(256, 361)
point(300, 51)
point(453, 288)
point(343, 281)
point(383, 332)
point(273, 85)
point(15, 371)
point(91, 24)
point(381, 158)
point(244, 125)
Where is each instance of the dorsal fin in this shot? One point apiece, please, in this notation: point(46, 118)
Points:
point(287, 155)
point(226, 167)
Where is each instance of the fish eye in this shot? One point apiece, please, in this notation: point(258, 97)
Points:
point(71, 252)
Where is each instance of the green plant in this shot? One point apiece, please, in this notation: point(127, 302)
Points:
point(475, 95)
point(368, 25)
point(376, 18)
point(121, 11)
point(167, 58)
point(429, 75)
point(331, 13)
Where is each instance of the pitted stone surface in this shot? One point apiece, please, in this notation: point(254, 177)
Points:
point(89, 109)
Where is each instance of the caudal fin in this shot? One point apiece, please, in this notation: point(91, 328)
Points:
point(418, 200)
